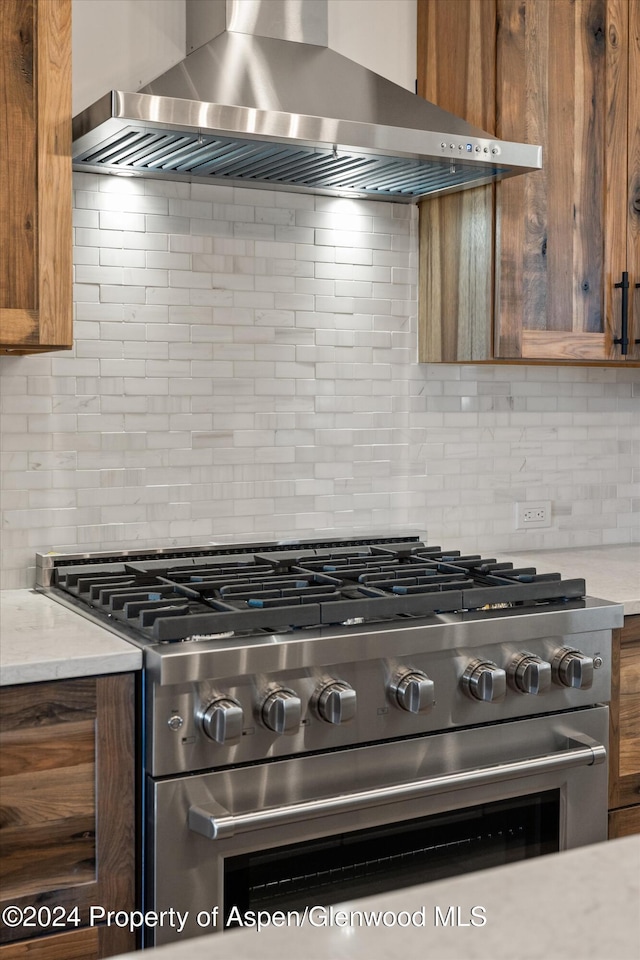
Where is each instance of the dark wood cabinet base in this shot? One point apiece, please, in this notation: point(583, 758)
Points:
point(67, 814)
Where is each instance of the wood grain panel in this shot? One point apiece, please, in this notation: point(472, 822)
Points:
point(35, 176)
point(510, 195)
point(47, 787)
point(18, 145)
point(78, 945)
point(624, 822)
point(567, 77)
point(19, 756)
point(624, 716)
point(42, 795)
point(539, 193)
point(458, 75)
point(561, 82)
point(550, 83)
point(46, 704)
point(20, 327)
point(617, 111)
point(50, 856)
point(116, 784)
point(633, 197)
point(542, 344)
point(629, 715)
point(584, 282)
point(455, 300)
point(54, 173)
point(71, 861)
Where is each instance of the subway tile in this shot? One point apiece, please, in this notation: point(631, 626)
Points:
point(162, 260)
point(167, 296)
point(100, 350)
point(198, 209)
point(286, 233)
point(232, 375)
point(89, 237)
point(119, 220)
point(110, 256)
point(146, 313)
point(88, 255)
point(167, 225)
point(253, 231)
point(89, 219)
point(168, 188)
point(86, 293)
point(309, 251)
point(121, 294)
point(143, 241)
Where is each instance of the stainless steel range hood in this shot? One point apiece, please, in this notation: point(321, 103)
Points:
point(284, 111)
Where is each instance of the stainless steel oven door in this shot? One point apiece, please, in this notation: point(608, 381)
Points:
point(299, 832)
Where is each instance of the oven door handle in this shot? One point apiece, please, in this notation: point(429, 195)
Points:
point(216, 823)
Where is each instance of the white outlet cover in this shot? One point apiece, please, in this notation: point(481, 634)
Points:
point(539, 511)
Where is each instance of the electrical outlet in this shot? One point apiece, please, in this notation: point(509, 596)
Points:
point(530, 516)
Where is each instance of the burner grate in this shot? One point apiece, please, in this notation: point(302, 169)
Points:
point(172, 598)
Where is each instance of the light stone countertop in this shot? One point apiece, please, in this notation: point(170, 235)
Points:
point(610, 573)
point(43, 640)
point(581, 903)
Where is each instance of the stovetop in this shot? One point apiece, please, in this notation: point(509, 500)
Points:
point(230, 592)
point(263, 650)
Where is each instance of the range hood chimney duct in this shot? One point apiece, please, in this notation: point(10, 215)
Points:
point(262, 101)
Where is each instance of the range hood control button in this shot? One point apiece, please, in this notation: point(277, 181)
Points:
point(337, 702)
point(222, 720)
point(572, 668)
point(282, 711)
point(530, 674)
point(413, 691)
point(484, 680)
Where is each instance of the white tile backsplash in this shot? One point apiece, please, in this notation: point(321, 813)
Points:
point(245, 366)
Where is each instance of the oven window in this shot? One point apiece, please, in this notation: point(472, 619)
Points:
point(391, 857)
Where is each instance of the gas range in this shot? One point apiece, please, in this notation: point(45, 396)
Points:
point(268, 650)
point(329, 719)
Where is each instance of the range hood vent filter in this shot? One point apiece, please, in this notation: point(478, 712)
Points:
point(252, 162)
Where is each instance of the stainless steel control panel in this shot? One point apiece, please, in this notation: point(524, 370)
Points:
point(214, 723)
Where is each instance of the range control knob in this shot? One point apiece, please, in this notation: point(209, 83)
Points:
point(222, 720)
point(572, 668)
point(484, 680)
point(337, 702)
point(282, 711)
point(413, 691)
point(528, 673)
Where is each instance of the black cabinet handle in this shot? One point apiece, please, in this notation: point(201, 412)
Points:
point(637, 288)
point(623, 339)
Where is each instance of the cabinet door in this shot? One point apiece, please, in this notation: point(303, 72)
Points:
point(563, 81)
point(35, 175)
point(633, 193)
point(565, 75)
point(67, 813)
point(624, 746)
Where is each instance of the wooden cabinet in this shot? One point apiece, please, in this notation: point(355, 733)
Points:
point(624, 742)
point(527, 269)
point(36, 300)
point(67, 808)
